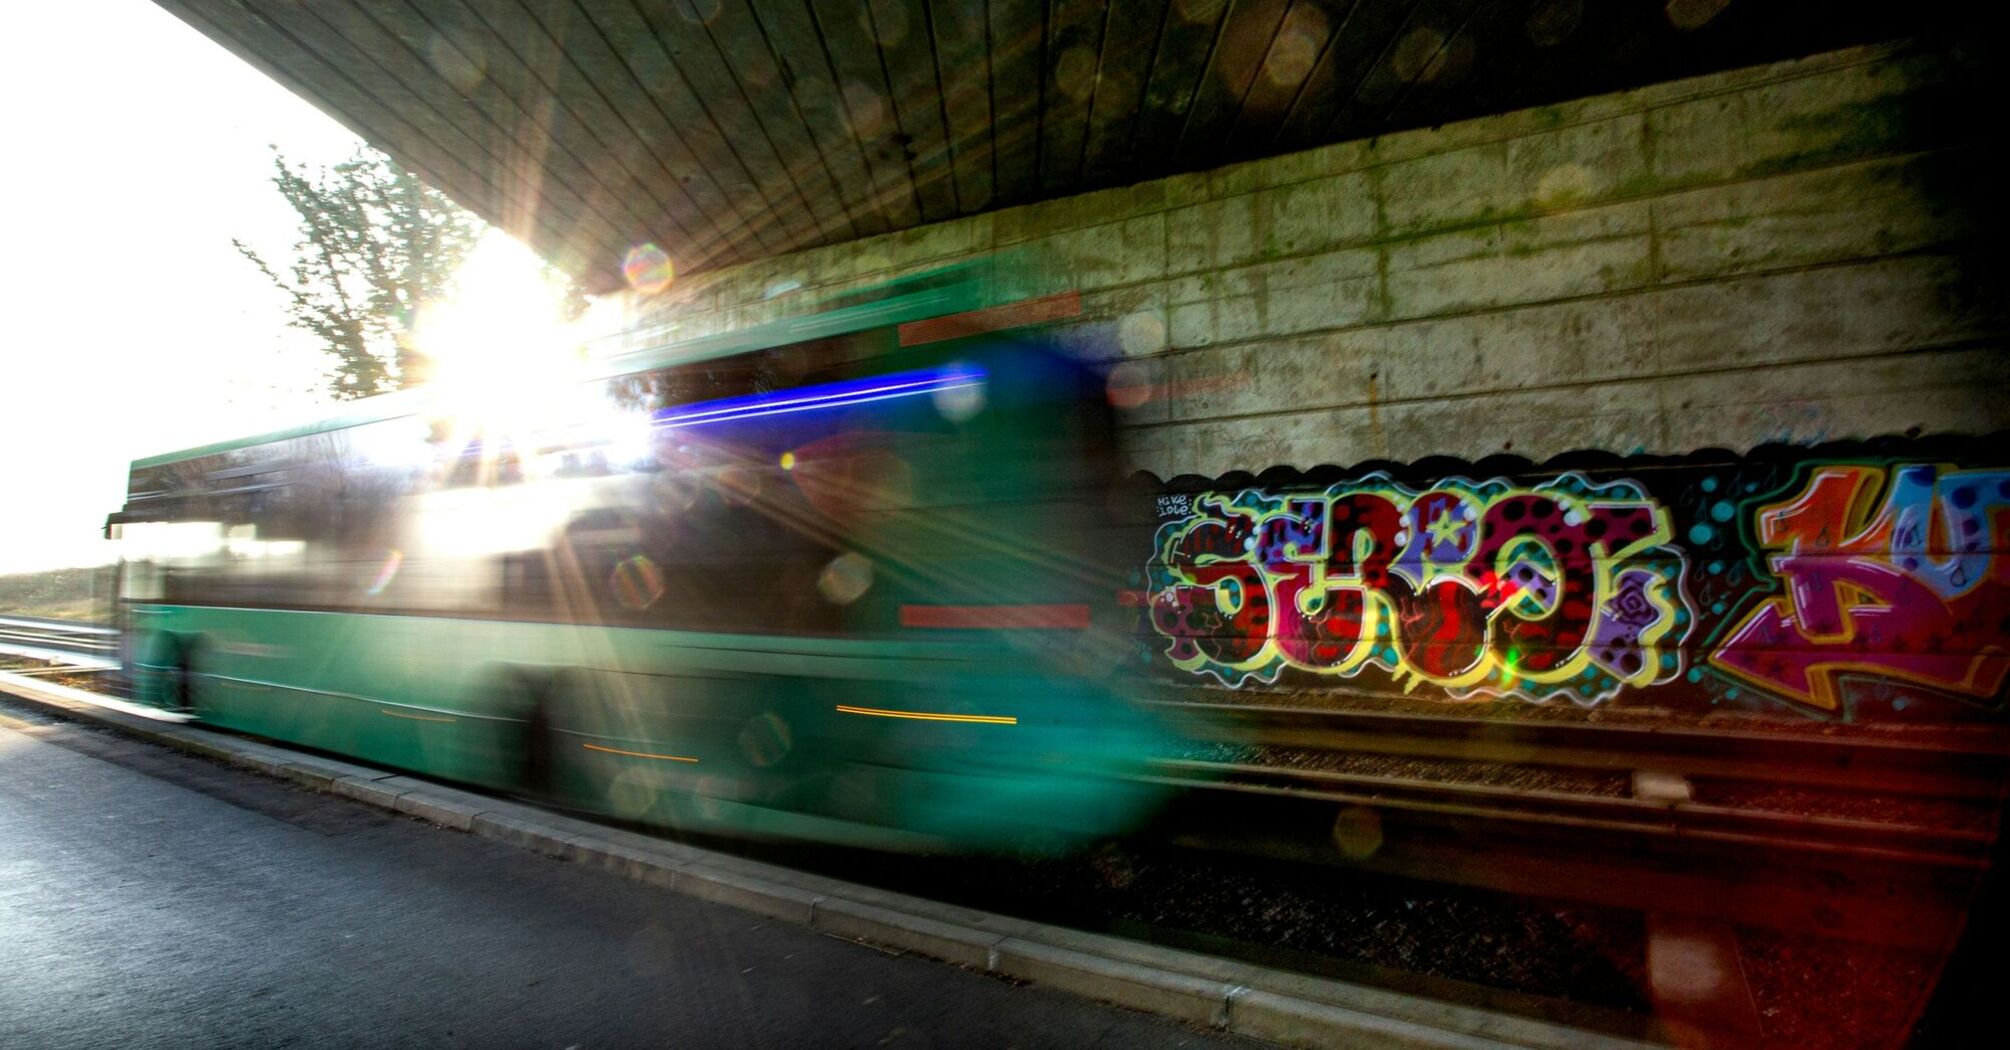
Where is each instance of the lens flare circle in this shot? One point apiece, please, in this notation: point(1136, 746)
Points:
point(766, 740)
point(1142, 332)
point(1357, 830)
point(636, 582)
point(647, 269)
point(846, 579)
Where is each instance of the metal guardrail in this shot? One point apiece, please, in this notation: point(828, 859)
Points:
point(1973, 766)
point(84, 646)
point(1882, 873)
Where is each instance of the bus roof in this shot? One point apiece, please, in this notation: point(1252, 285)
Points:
point(917, 297)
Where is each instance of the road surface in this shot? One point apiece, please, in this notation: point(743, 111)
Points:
point(153, 899)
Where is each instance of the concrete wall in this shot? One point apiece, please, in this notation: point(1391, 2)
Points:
point(1681, 266)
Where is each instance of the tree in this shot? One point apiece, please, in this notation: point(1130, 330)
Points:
point(377, 247)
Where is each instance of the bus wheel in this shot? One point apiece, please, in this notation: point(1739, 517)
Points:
point(529, 697)
point(181, 692)
point(538, 751)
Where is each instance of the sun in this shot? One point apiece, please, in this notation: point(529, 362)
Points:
point(497, 346)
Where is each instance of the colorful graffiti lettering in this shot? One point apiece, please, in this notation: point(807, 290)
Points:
point(1482, 589)
point(1906, 587)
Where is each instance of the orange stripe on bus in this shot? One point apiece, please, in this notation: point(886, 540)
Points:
point(637, 754)
point(929, 716)
point(415, 718)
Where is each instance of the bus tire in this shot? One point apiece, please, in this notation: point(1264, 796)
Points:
point(181, 692)
point(539, 754)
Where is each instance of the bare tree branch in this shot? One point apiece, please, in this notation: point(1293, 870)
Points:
point(376, 247)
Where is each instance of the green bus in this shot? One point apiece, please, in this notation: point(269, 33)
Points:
point(842, 576)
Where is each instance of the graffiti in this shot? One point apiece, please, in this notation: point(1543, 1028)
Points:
point(1885, 572)
point(1860, 580)
point(1565, 589)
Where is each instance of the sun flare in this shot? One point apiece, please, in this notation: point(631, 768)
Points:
point(498, 346)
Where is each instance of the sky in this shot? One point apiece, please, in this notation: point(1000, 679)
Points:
point(137, 149)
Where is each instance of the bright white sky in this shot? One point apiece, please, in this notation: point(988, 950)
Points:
point(137, 149)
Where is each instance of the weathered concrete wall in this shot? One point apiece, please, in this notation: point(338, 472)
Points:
point(1782, 253)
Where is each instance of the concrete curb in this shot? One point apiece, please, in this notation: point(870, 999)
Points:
point(1268, 1004)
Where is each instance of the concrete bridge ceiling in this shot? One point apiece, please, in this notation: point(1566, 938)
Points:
point(725, 130)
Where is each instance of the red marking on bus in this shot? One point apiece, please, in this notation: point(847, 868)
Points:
point(1131, 395)
point(1133, 599)
point(996, 617)
point(992, 319)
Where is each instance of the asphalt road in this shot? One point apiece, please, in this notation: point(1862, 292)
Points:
point(153, 899)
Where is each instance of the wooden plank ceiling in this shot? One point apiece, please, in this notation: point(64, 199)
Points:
point(726, 130)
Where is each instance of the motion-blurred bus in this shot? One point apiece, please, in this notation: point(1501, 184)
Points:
point(835, 577)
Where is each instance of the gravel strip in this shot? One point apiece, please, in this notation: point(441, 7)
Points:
point(1448, 770)
point(1811, 802)
point(1814, 993)
point(1710, 791)
point(1373, 928)
point(1613, 715)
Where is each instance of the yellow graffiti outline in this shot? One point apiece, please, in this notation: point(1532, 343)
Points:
point(1253, 505)
point(1229, 506)
point(1373, 603)
point(1603, 559)
point(1658, 593)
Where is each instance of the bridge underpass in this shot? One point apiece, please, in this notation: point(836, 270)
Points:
point(729, 131)
point(1704, 262)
